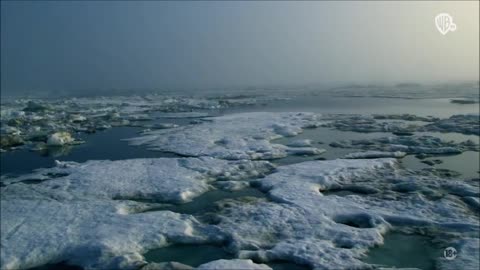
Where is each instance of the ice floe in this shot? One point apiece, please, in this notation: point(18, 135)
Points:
point(236, 136)
point(93, 234)
point(406, 124)
point(463, 123)
point(307, 225)
point(162, 179)
point(426, 145)
point(59, 139)
point(79, 213)
point(232, 265)
point(96, 113)
point(375, 154)
point(367, 123)
point(91, 214)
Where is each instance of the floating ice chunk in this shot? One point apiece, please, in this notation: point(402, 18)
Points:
point(88, 233)
point(300, 143)
point(232, 185)
point(465, 124)
point(305, 223)
point(412, 145)
point(375, 154)
point(95, 113)
point(405, 117)
point(59, 139)
point(182, 115)
point(325, 254)
point(366, 123)
point(162, 179)
point(8, 141)
point(163, 126)
point(77, 118)
point(307, 151)
point(233, 264)
point(139, 117)
point(167, 266)
point(236, 136)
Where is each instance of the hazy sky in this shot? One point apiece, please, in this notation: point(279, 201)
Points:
point(127, 44)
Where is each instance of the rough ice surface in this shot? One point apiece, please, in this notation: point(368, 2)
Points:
point(162, 179)
point(182, 115)
point(236, 136)
point(465, 124)
point(233, 265)
point(80, 212)
point(166, 266)
point(375, 154)
point(95, 234)
point(26, 122)
point(300, 143)
point(306, 225)
point(405, 117)
point(59, 139)
point(366, 124)
point(410, 145)
point(406, 124)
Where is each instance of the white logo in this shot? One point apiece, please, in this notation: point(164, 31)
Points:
point(450, 253)
point(444, 23)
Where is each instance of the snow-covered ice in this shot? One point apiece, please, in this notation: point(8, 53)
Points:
point(95, 234)
point(375, 154)
point(463, 123)
point(59, 139)
point(96, 113)
point(428, 145)
point(80, 212)
point(300, 221)
point(235, 264)
point(236, 136)
point(163, 179)
point(306, 225)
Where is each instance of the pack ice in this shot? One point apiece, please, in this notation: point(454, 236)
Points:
point(427, 145)
point(80, 212)
point(306, 223)
point(236, 136)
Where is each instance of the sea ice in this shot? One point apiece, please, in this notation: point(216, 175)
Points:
point(95, 234)
point(59, 139)
point(367, 124)
point(465, 124)
point(93, 215)
point(163, 179)
point(375, 154)
point(235, 264)
point(306, 225)
point(428, 145)
point(236, 136)
point(96, 113)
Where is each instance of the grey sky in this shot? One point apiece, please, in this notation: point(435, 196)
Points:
point(75, 45)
